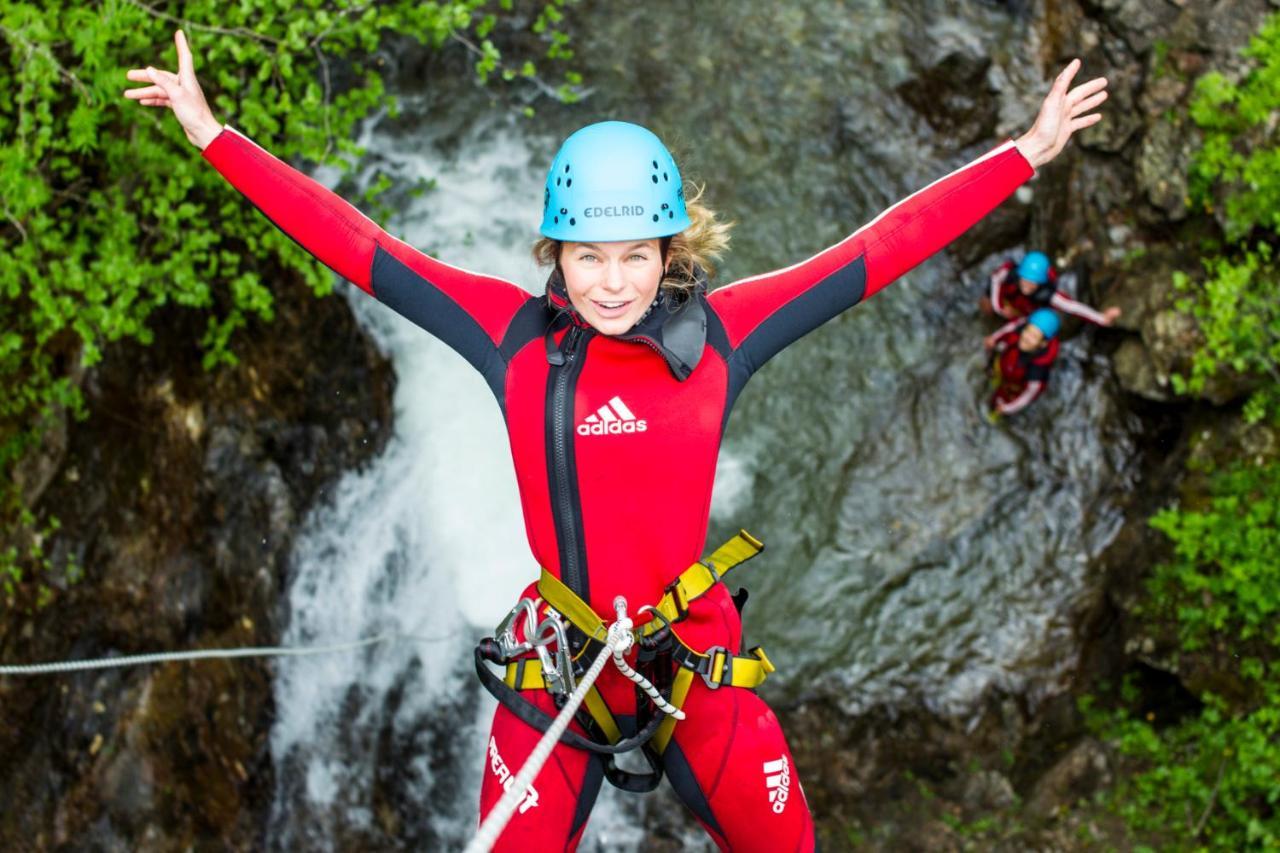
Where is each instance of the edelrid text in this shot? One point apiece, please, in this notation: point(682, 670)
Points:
point(506, 778)
point(611, 210)
point(612, 427)
point(777, 780)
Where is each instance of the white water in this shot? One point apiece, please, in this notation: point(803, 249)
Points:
point(427, 541)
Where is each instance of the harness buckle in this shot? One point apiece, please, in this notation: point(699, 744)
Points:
point(726, 675)
point(682, 607)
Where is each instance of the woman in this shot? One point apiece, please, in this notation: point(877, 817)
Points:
point(616, 387)
point(1023, 351)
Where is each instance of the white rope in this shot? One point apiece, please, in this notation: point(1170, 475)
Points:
point(203, 654)
point(617, 642)
point(647, 686)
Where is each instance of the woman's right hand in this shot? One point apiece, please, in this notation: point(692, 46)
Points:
point(180, 92)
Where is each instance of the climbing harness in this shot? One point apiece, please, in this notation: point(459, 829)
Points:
point(578, 634)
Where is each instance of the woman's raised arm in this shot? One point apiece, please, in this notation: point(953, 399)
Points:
point(763, 314)
point(469, 311)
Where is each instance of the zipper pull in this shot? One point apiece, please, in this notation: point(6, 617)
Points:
point(571, 342)
point(554, 356)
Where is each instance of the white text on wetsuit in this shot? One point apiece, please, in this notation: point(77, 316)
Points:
point(777, 780)
point(506, 778)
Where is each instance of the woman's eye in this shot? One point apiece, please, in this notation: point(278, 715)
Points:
point(639, 257)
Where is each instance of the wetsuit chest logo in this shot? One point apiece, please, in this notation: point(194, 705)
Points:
point(613, 418)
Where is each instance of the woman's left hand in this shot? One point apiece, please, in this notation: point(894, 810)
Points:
point(1062, 114)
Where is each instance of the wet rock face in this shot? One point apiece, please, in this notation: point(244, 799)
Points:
point(953, 94)
point(179, 496)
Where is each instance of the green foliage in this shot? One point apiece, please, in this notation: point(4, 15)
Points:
point(107, 213)
point(1237, 172)
point(1212, 780)
point(1240, 153)
point(1225, 580)
point(1209, 782)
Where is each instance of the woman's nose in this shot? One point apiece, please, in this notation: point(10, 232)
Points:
point(615, 281)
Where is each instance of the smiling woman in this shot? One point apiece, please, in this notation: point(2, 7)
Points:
point(619, 509)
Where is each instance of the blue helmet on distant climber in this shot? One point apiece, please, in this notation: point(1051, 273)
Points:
point(1034, 267)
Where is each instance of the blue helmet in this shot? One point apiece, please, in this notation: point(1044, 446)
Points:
point(1034, 267)
point(613, 181)
point(1046, 321)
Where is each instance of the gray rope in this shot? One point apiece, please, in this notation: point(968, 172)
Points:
point(207, 654)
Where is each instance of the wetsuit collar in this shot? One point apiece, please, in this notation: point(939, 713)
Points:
point(675, 326)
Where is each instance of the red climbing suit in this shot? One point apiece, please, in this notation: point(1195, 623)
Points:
point(1008, 300)
point(615, 442)
point(1022, 376)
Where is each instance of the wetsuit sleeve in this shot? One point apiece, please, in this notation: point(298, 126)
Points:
point(763, 314)
point(1011, 326)
point(998, 279)
point(1017, 404)
point(468, 311)
point(1070, 306)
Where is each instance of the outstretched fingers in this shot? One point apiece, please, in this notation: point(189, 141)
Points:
point(145, 92)
point(1089, 103)
point(186, 64)
point(1085, 121)
point(1065, 77)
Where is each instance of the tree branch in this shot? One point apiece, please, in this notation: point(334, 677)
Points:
point(187, 23)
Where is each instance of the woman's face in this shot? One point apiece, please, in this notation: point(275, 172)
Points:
point(1027, 286)
point(612, 284)
point(1031, 338)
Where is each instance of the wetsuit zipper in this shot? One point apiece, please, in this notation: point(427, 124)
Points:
point(568, 507)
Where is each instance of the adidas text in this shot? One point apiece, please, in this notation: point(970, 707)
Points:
point(777, 780)
point(613, 418)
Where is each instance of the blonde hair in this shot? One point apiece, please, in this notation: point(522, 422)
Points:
point(697, 247)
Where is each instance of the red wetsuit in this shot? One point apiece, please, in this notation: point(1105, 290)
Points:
point(1008, 300)
point(615, 442)
point(1023, 375)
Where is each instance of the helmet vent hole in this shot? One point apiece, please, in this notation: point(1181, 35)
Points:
point(566, 168)
point(564, 210)
point(557, 182)
point(655, 179)
point(568, 182)
point(655, 217)
point(557, 219)
point(655, 164)
point(664, 177)
point(671, 214)
point(666, 206)
point(572, 221)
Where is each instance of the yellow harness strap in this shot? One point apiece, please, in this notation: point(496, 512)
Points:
point(691, 585)
point(694, 581)
point(679, 692)
point(526, 674)
point(570, 606)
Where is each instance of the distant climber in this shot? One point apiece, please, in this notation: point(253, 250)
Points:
point(1019, 289)
point(1024, 351)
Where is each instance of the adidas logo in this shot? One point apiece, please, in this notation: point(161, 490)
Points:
point(613, 418)
point(777, 780)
